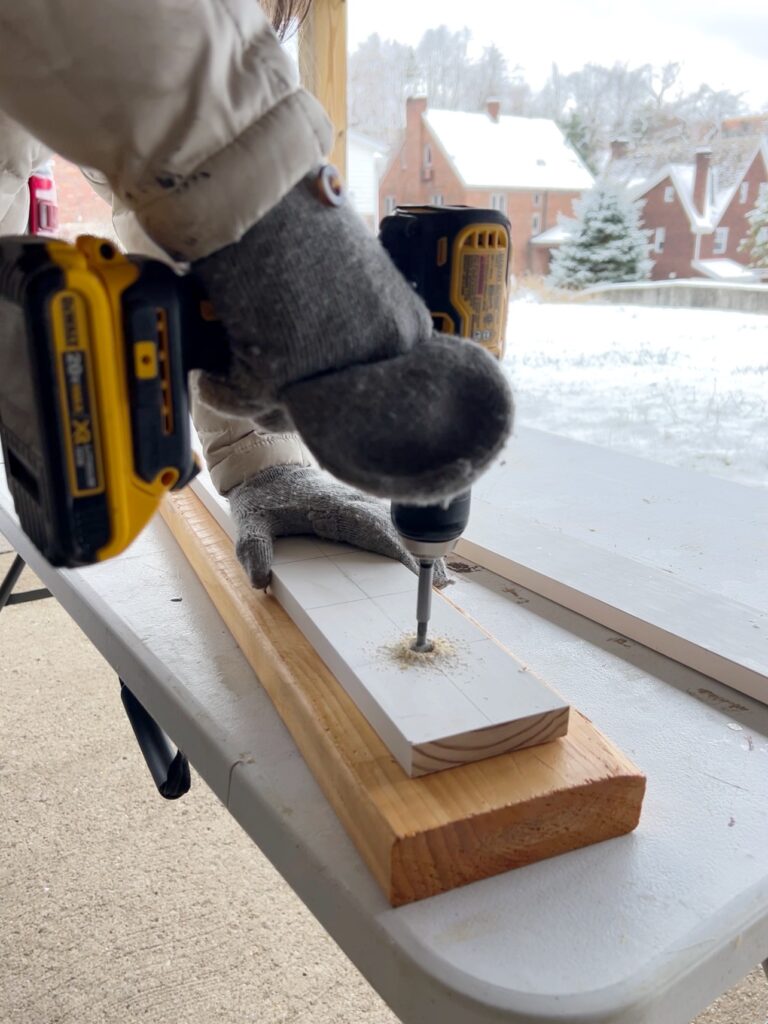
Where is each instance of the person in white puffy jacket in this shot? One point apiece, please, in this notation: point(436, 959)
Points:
point(191, 114)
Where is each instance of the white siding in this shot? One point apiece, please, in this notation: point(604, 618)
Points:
point(364, 166)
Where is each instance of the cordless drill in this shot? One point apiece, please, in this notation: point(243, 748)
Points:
point(458, 260)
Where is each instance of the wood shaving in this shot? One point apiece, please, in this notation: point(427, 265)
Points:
point(443, 652)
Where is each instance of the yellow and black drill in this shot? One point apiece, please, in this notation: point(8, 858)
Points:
point(95, 351)
point(458, 259)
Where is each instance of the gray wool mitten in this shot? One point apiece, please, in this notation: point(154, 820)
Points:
point(290, 500)
point(328, 337)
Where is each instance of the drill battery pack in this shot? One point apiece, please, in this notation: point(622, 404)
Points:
point(94, 417)
point(458, 259)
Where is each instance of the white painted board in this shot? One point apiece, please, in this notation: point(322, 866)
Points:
point(357, 610)
point(674, 559)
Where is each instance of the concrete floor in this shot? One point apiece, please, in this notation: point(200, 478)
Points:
point(118, 907)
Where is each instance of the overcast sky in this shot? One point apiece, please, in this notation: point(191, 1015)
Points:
point(724, 45)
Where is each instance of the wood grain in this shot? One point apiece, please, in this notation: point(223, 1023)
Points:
point(323, 68)
point(424, 836)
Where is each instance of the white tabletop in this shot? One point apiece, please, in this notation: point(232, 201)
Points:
point(647, 928)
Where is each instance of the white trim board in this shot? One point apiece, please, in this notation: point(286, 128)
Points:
point(663, 566)
point(355, 609)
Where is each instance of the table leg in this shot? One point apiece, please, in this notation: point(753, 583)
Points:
point(169, 768)
point(9, 582)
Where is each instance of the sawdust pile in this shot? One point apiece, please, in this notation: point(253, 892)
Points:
point(443, 652)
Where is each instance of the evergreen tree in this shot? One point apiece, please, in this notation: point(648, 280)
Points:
point(755, 244)
point(578, 135)
point(607, 244)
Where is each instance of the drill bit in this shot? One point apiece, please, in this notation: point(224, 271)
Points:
point(424, 606)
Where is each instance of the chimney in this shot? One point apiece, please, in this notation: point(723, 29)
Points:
point(493, 106)
point(415, 106)
point(700, 178)
point(618, 149)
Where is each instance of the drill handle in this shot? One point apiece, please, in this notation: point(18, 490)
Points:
point(205, 342)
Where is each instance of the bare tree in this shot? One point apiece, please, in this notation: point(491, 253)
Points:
point(661, 81)
point(645, 105)
point(443, 64)
point(382, 74)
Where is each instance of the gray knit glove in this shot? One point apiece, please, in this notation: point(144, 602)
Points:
point(289, 500)
point(329, 338)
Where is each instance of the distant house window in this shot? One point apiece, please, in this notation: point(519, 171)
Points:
point(427, 155)
point(390, 202)
point(659, 238)
point(669, 194)
point(537, 198)
point(721, 241)
point(541, 163)
point(438, 199)
point(535, 222)
point(499, 202)
point(743, 191)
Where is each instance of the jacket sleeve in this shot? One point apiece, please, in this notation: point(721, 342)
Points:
point(189, 108)
point(20, 155)
point(237, 449)
point(234, 449)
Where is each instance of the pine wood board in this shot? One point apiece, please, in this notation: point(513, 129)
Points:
point(419, 837)
point(323, 68)
point(357, 610)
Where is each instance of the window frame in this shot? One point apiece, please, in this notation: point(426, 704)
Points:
point(720, 241)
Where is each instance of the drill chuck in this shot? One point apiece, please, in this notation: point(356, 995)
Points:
point(430, 531)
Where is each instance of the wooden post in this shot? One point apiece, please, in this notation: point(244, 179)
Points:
point(323, 67)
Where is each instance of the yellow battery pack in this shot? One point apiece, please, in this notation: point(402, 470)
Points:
point(94, 413)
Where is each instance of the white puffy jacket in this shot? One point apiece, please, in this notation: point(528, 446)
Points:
point(193, 115)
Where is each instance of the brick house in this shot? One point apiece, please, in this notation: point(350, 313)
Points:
point(522, 166)
point(695, 224)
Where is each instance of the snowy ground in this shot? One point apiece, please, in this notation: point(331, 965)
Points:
point(682, 386)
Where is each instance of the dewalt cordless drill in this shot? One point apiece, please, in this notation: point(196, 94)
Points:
point(458, 260)
point(96, 347)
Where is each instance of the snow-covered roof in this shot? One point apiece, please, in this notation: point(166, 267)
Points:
point(512, 152)
point(555, 235)
point(725, 270)
point(682, 176)
point(366, 141)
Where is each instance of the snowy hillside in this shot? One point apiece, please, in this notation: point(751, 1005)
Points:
point(685, 387)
